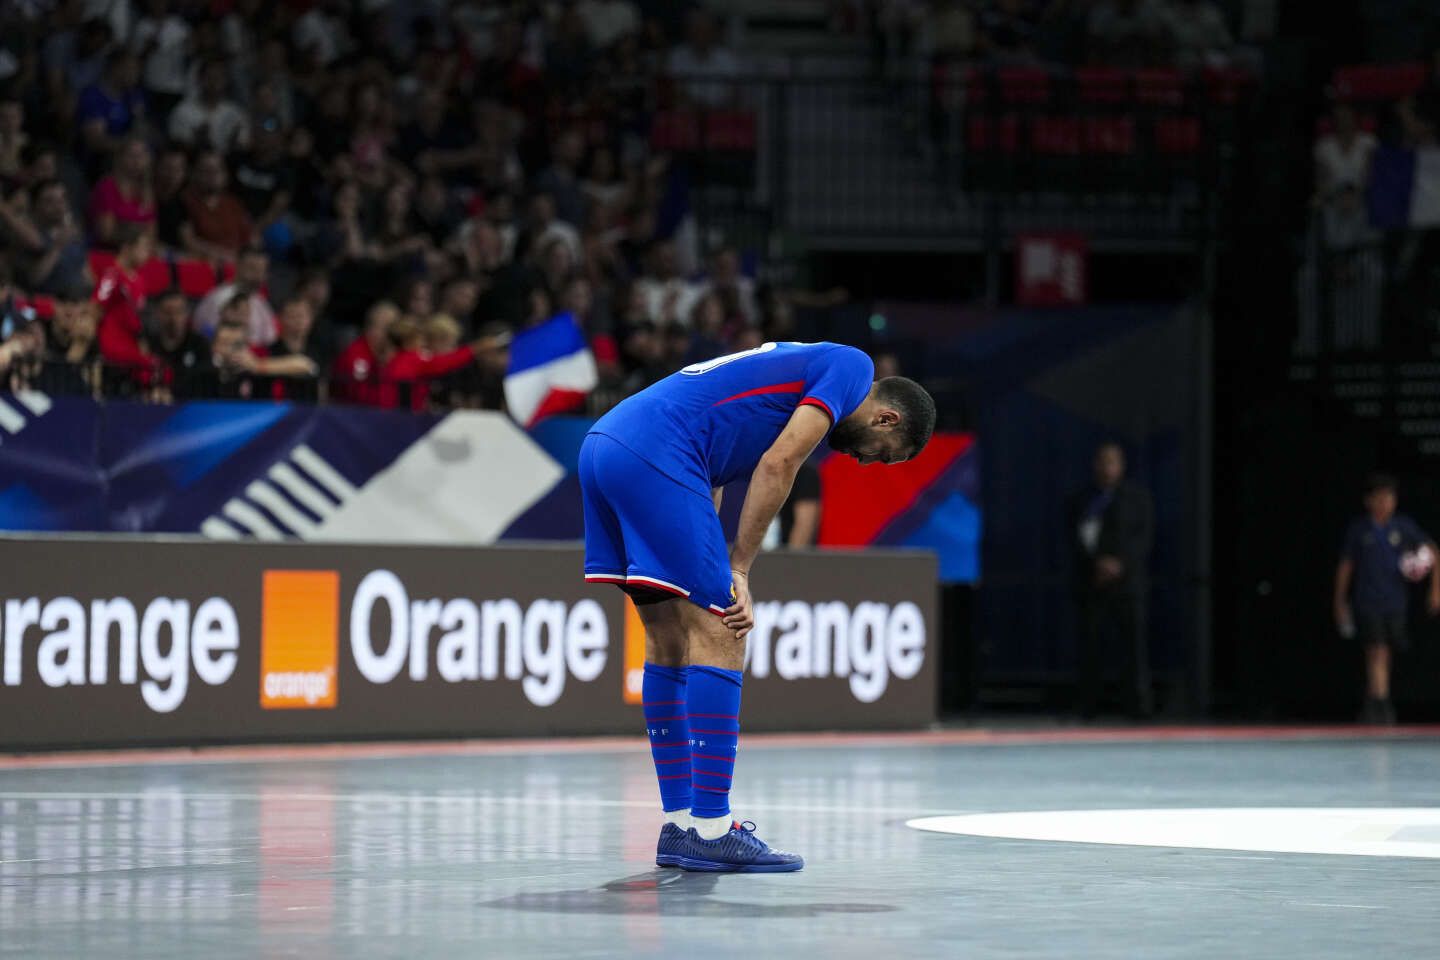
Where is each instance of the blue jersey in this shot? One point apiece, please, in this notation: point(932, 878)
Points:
point(1380, 588)
point(711, 422)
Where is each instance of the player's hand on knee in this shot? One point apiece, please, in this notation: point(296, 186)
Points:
point(739, 616)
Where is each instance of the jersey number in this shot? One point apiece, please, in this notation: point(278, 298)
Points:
point(696, 369)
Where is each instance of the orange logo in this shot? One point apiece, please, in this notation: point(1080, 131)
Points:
point(299, 639)
point(634, 675)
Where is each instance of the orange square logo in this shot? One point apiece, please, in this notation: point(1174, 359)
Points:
point(299, 639)
point(634, 675)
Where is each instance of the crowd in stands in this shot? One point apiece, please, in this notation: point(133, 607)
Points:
point(195, 194)
point(1369, 277)
point(1188, 34)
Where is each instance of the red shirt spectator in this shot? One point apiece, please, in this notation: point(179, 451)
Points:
point(416, 368)
point(357, 370)
point(121, 296)
point(217, 224)
point(125, 196)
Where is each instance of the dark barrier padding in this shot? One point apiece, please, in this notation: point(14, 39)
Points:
point(125, 641)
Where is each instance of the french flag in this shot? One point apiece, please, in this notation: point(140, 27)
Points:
point(1405, 187)
point(551, 370)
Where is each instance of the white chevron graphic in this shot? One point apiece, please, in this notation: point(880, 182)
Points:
point(444, 488)
point(13, 420)
point(241, 516)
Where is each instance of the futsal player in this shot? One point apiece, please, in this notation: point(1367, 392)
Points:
point(651, 473)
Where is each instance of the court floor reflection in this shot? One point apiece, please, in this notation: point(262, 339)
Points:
point(550, 854)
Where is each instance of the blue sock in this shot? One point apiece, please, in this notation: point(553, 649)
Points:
point(663, 695)
point(714, 711)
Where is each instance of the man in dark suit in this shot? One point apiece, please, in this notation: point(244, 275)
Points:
point(1111, 525)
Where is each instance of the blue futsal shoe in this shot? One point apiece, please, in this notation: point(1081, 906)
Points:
point(739, 851)
point(671, 846)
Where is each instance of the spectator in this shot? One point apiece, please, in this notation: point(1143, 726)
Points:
point(126, 196)
point(161, 39)
point(556, 264)
point(358, 365)
point(172, 341)
point(606, 192)
point(544, 225)
point(71, 334)
point(297, 321)
point(320, 34)
point(403, 360)
point(436, 213)
point(736, 292)
point(121, 296)
point(707, 330)
point(705, 71)
point(606, 21)
point(72, 352)
point(1111, 524)
point(561, 178)
point(1372, 588)
point(459, 297)
point(314, 288)
point(251, 272)
point(797, 525)
point(53, 244)
point(643, 352)
point(440, 334)
point(435, 144)
point(111, 109)
point(73, 58)
point(667, 297)
point(206, 118)
point(1007, 31)
point(216, 226)
point(1342, 156)
point(417, 299)
point(259, 359)
point(1197, 32)
point(264, 183)
point(400, 239)
point(13, 143)
point(171, 172)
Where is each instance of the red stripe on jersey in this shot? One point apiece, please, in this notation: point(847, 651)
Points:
point(817, 402)
point(794, 386)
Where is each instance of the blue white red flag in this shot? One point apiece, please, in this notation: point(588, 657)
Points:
point(551, 371)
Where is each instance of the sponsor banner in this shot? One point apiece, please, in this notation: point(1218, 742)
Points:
point(124, 641)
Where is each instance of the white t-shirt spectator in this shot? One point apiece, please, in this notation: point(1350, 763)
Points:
point(667, 301)
point(608, 20)
point(222, 126)
point(261, 326)
point(1337, 164)
point(1198, 30)
point(559, 229)
point(322, 32)
point(166, 66)
point(706, 77)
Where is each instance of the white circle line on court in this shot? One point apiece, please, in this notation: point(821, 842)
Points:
point(1347, 831)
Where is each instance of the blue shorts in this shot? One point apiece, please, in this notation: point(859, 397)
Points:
point(645, 531)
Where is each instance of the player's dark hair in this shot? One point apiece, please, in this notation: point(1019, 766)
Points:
point(1378, 481)
point(915, 406)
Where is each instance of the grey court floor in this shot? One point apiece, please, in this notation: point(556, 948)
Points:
point(547, 854)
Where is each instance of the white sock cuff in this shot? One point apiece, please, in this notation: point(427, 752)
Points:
point(711, 828)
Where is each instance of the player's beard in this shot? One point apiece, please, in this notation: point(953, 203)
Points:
point(846, 436)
